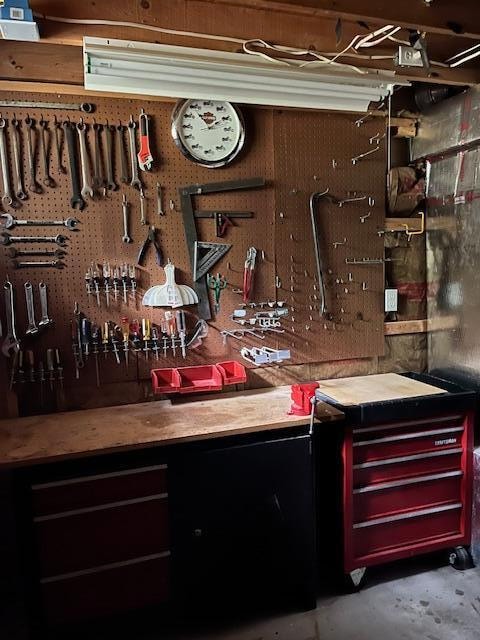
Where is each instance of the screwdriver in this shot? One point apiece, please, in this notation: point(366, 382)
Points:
point(146, 333)
point(113, 335)
point(116, 282)
point(135, 330)
point(170, 319)
point(155, 341)
point(106, 281)
point(126, 337)
point(50, 368)
point(58, 362)
point(105, 335)
point(133, 282)
point(31, 366)
point(181, 328)
point(95, 341)
point(86, 328)
point(164, 327)
point(124, 282)
point(96, 281)
point(41, 376)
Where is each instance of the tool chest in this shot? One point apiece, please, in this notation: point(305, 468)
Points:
point(406, 476)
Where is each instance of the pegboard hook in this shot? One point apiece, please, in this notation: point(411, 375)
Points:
point(410, 233)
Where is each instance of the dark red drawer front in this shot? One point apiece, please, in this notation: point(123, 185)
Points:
point(407, 469)
point(405, 532)
point(88, 492)
point(100, 537)
point(419, 495)
point(404, 447)
point(106, 592)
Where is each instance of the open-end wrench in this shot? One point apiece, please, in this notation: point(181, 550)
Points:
point(98, 180)
point(57, 129)
point(40, 253)
point(48, 181)
point(32, 328)
point(84, 161)
point(11, 222)
point(109, 131)
point(55, 264)
point(11, 343)
point(76, 201)
point(122, 154)
point(45, 319)
point(34, 187)
point(17, 162)
point(7, 193)
point(125, 207)
point(7, 239)
point(135, 181)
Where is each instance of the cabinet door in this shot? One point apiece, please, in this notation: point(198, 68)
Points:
point(243, 525)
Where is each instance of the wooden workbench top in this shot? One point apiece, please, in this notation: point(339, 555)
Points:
point(48, 438)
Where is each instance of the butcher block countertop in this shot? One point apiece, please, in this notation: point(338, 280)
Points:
point(60, 436)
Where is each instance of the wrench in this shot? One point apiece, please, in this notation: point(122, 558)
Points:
point(17, 162)
point(45, 319)
point(109, 131)
point(135, 181)
point(12, 222)
point(7, 194)
point(56, 264)
point(76, 201)
point(34, 187)
point(32, 328)
point(11, 343)
point(9, 239)
point(46, 253)
point(58, 146)
point(143, 206)
point(98, 180)
point(86, 107)
point(48, 181)
point(126, 237)
point(84, 161)
point(123, 155)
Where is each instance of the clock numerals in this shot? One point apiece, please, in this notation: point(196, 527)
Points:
point(221, 108)
point(187, 126)
point(228, 128)
point(189, 115)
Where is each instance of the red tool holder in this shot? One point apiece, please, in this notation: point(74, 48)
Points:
point(407, 488)
point(211, 377)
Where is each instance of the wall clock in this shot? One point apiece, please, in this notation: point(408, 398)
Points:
point(208, 132)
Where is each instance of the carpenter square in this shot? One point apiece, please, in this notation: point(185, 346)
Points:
point(215, 251)
point(191, 236)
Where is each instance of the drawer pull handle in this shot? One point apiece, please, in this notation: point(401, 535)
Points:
point(416, 423)
point(408, 436)
point(407, 481)
point(104, 567)
point(416, 456)
point(406, 516)
point(100, 507)
point(102, 476)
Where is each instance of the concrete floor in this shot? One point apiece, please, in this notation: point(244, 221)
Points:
point(410, 600)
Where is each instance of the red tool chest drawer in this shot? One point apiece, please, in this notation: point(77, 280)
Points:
point(406, 488)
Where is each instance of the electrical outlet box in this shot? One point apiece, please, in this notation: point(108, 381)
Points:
point(391, 300)
point(408, 57)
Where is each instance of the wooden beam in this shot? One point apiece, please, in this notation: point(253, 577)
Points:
point(404, 327)
point(445, 18)
point(398, 224)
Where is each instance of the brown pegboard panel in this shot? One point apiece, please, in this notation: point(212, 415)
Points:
point(288, 149)
point(314, 153)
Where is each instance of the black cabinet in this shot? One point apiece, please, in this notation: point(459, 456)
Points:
point(243, 525)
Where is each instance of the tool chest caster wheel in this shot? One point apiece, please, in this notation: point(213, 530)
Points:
point(355, 579)
point(460, 559)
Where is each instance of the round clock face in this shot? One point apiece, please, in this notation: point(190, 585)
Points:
point(208, 132)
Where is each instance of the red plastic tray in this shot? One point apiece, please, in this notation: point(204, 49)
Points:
point(165, 380)
point(232, 372)
point(203, 378)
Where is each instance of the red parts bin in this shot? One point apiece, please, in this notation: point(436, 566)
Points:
point(196, 379)
point(203, 378)
point(232, 372)
point(165, 380)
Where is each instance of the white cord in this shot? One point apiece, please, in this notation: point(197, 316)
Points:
point(137, 25)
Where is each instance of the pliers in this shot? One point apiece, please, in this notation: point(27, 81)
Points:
point(150, 239)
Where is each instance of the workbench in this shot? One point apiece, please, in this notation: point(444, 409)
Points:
point(183, 501)
point(61, 436)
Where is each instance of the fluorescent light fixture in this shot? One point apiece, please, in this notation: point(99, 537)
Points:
point(147, 69)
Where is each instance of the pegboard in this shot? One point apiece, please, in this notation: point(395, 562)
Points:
point(297, 153)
